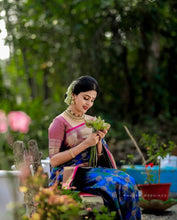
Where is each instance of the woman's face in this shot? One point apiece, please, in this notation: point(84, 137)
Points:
point(84, 101)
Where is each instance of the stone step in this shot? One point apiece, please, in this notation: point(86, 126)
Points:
point(92, 201)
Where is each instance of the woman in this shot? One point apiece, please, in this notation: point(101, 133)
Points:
point(70, 142)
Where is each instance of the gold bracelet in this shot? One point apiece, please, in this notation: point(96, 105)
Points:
point(100, 154)
point(72, 154)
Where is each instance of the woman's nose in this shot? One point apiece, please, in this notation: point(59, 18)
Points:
point(87, 102)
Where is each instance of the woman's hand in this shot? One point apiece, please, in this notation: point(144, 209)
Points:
point(101, 136)
point(92, 139)
point(103, 133)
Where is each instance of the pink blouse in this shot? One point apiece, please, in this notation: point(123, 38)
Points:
point(62, 133)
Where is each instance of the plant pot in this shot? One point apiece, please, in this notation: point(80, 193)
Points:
point(155, 191)
point(166, 174)
point(9, 194)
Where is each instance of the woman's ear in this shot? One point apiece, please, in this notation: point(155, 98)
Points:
point(72, 98)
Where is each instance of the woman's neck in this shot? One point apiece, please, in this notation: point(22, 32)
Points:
point(75, 116)
point(74, 110)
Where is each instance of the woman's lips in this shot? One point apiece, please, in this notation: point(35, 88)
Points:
point(85, 107)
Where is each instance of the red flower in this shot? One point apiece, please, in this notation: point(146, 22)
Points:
point(149, 165)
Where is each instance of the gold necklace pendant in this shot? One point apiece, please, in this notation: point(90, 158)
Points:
point(74, 116)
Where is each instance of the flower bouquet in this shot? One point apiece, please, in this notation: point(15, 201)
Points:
point(95, 124)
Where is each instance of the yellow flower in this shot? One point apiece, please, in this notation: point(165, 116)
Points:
point(35, 216)
point(23, 189)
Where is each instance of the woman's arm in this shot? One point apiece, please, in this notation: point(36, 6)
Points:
point(63, 157)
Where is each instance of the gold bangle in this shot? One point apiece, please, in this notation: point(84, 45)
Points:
point(100, 154)
point(72, 154)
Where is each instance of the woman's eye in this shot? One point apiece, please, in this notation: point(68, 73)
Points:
point(87, 99)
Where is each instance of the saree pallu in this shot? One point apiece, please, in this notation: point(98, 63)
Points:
point(118, 189)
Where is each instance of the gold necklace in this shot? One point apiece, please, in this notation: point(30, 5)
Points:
point(74, 116)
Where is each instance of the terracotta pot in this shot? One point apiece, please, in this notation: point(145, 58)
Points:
point(155, 191)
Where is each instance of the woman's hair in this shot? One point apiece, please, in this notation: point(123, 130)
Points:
point(84, 84)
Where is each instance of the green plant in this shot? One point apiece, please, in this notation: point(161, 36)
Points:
point(51, 203)
point(150, 173)
point(155, 148)
point(57, 203)
point(104, 214)
point(73, 193)
point(129, 160)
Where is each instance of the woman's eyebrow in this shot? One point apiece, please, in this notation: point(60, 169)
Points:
point(90, 96)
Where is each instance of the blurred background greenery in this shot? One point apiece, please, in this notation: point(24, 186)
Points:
point(129, 46)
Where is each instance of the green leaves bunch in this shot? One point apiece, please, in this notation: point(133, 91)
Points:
point(96, 124)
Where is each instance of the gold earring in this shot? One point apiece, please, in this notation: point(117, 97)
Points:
point(72, 100)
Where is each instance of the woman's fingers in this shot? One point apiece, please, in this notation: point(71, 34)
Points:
point(101, 134)
point(105, 131)
point(93, 139)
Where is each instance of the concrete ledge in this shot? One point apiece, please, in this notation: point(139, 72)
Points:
point(93, 201)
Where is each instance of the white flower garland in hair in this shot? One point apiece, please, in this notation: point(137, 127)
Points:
point(68, 98)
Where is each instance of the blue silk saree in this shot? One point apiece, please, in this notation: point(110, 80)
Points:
point(118, 189)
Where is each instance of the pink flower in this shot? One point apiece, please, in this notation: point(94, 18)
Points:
point(89, 209)
point(19, 121)
point(3, 122)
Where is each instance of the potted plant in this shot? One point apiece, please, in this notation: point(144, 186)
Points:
point(152, 188)
point(155, 149)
